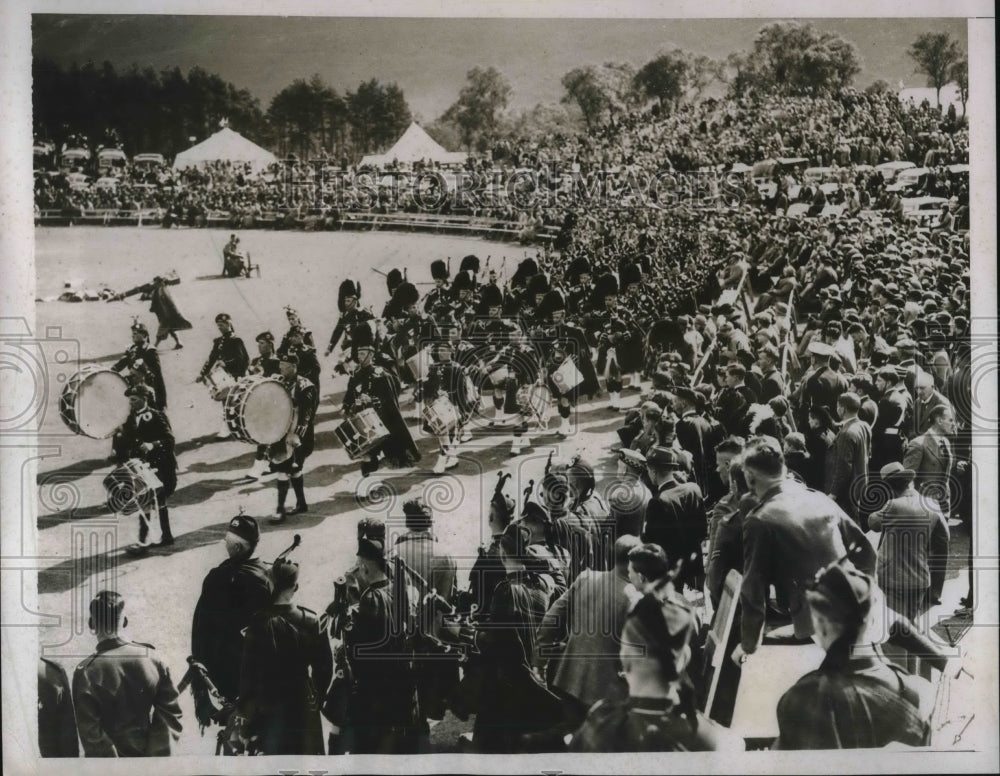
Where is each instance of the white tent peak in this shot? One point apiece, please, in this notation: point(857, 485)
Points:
point(224, 145)
point(415, 145)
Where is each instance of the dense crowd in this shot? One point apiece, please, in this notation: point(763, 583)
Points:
point(803, 384)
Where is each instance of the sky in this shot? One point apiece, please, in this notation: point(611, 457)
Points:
point(429, 58)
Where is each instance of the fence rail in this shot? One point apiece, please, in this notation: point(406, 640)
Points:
point(477, 226)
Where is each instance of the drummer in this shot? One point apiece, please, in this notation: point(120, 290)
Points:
point(289, 455)
point(565, 342)
point(229, 352)
point(296, 342)
point(375, 387)
point(266, 364)
point(447, 379)
point(294, 320)
point(142, 361)
point(147, 435)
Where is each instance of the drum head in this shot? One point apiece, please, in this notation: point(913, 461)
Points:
point(267, 412)
point(100, 405)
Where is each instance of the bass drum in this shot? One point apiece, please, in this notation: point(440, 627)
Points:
point(259, 410)
point(94, 403)
point(131, 487)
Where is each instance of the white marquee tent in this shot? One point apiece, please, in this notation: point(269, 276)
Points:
point(224, 145)
point(415, 145)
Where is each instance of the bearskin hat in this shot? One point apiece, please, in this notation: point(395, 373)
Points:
point(525, 270)
point(630, 273)
point(491, 296)
point(362, 336)
point(470, 264)
point(347, 288)
point(439, 270)
point(405, 295)
point(552, 302)
point(392, 280)
point(462, 282)
point(607, 285)
point(538, 284)
point(578, 266)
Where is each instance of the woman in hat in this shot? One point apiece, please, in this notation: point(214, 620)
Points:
point(659, 713)
point(856, 699)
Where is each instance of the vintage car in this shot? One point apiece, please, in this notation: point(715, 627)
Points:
point(146, 161)
point(110, 161)
point(73, 158)
point(890, 170)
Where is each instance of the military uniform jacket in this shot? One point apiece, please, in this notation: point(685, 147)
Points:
point(851, 702)
point(649, 725)
point(231, 593)
point(56, 718)
point(381, 389)
point(126, 702)
point(676, 520)
point(791, 534)
point(286, 669)
point(266, 367)
point(435, 297)
point(139, 357)
point(572, 341)
point(449, 378)
point(698, 435)
point(349, 319)
point(150, 426)
point(229, 349)
point(385, 688)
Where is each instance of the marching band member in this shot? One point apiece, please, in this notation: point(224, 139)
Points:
point(522, 367)
point(351, 313)
point(230, 595)
point(143, 362)
point(228, 351)
point(286, 662)
point(463, 298)
point(578, 278)
point(296, 342)
point(383, 715)
point(608, 332)
point(290, 461)
point(147, 435)
point(413, 331)
point(294, 320)
point(470, 268)
point(162, 305)
point(266, 364)
point(393, 279)
point(440, 293)
point(447, 378)
point(565, 341)
point(373, 386)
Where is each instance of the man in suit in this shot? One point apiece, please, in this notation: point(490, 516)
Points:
point(696, 434)
point(928, 397)
point(930, 456)
point(734, 400)
point(772, 384)
point(847, 478)
point(587, 619)
point(910, 525)
point(675, 516)
point(787, 538)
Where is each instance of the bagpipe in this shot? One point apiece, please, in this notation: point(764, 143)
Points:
point(211, 707)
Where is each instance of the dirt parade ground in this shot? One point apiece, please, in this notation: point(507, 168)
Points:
point(81, 543)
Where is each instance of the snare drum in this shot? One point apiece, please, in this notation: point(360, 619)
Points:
point(94, 403)
point(361, 433)
point(259, 410)
point(419, 364)
point(498, 374)
point(220, 382)
point(534, 400)
point(440, 416)
point(567, 376)
point(131, 487)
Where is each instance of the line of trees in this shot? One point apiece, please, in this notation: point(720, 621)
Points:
point(163, 111)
